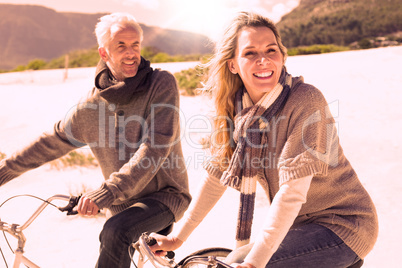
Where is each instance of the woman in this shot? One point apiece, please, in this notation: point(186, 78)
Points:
point(275, 129)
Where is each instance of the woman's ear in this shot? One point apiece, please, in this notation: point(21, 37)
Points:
point(231, 67)
point(103, 54)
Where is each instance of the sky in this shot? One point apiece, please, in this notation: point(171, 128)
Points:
point(207, 17)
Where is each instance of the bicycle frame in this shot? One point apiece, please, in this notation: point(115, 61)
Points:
point(16, 231)
point(21, 259)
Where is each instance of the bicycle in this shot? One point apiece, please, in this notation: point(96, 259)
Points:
point(208, 257)
point(141, 246)
point(16, 230)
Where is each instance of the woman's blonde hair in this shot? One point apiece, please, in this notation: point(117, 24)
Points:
point(223, 84)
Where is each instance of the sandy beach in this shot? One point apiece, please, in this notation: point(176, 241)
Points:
point(362, 87)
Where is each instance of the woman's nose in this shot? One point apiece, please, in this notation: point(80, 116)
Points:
point(262, 59)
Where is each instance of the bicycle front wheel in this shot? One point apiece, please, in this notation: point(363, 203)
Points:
point(219, 253)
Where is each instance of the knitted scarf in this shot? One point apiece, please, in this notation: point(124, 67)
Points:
point(122, 92)
point(250, 121)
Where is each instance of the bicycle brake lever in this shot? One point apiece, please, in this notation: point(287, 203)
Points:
point(152, 241)
point(72, 203)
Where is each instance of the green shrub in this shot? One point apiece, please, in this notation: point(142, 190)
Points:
point(315, 49)
point(365, 43)
point(190, 80)
point(78, 58)
point(154, 55)
point(19, 68)
point(75, 159)
point(161, 57)
point(85, 58)
point(36, 64)
point(2, 156)
point(149, 52)
point(90, 58)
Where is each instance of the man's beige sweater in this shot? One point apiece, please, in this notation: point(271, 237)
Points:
point(135, 138)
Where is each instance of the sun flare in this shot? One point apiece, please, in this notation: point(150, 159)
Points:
point(206, 17)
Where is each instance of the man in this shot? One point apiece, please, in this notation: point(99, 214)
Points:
point(130, 121)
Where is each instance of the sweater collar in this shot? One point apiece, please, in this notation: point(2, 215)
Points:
point(121, 92)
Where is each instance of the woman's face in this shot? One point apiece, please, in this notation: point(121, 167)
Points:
point(257, 60)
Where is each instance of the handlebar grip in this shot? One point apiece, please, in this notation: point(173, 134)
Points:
point(72, 203)
point(170, 254)
point(152, 241)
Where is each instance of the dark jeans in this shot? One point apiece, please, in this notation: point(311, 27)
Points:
point(309, 246)
point(126, 227)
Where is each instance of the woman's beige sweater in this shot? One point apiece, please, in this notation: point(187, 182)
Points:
point(303, 141)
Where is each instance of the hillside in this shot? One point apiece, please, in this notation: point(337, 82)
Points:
point(29, 32)
point(340, 22)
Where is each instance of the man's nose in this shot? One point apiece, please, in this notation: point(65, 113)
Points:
point(130, 51)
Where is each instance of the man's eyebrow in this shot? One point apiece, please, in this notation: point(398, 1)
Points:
point(121, 42)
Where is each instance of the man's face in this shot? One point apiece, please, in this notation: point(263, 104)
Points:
point(123, 55)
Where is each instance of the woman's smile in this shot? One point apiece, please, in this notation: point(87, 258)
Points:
point(265, 74)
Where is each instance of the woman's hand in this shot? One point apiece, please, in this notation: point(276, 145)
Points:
point(164, 244)
point(243, 265)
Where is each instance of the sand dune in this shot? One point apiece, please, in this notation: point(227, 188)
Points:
point(364, 92)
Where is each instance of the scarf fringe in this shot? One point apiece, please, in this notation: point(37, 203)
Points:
point(230, 180)
point(232, 176)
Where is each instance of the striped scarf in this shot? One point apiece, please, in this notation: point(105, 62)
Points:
point(250, 121)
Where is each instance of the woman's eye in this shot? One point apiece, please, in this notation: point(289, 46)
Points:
point(250, 53)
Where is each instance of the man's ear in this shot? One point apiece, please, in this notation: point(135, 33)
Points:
point(103, 54)
point(231, 67)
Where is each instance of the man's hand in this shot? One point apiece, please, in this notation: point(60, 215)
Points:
point(87, 207)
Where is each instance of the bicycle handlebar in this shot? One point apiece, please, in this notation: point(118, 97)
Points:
point(16, 230)
point(72, 203)
point(68, 208)
point(142, 246)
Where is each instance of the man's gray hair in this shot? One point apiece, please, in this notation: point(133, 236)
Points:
point(108, 25)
